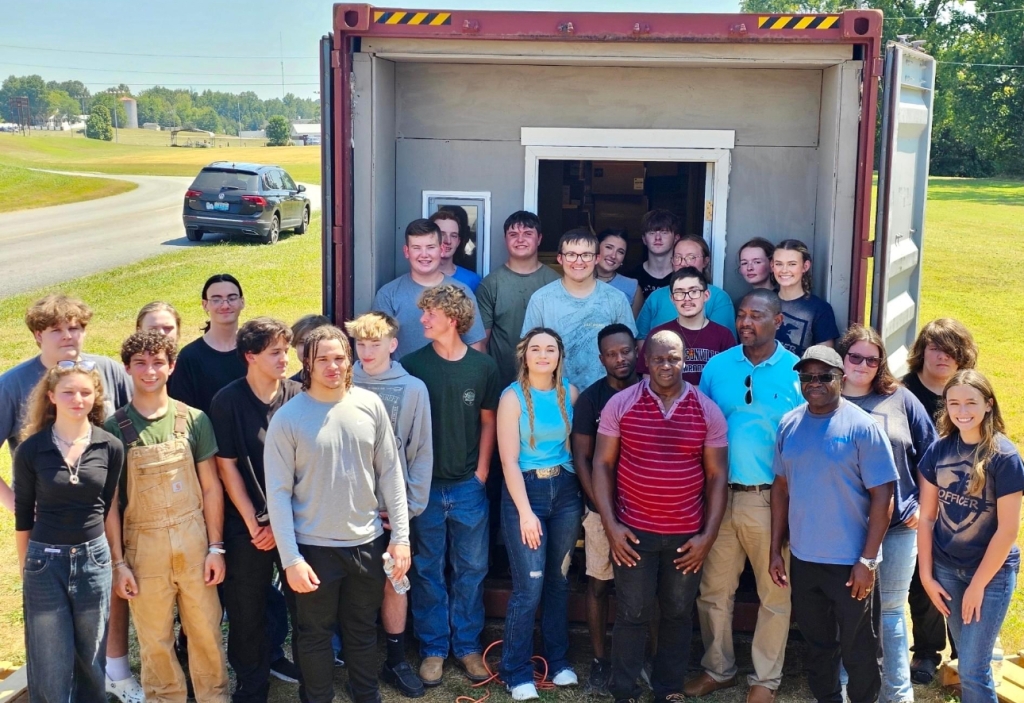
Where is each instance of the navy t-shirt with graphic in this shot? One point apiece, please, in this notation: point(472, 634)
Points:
point(967, 523)
point(806, 321)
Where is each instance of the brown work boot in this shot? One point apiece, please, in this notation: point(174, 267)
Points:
point(474, 666)
point(703, 684)
point(760, 694)
point(431, 671)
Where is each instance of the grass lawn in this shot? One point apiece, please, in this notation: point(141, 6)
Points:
point(22, 189)
point(973, 225)
point(145, 152)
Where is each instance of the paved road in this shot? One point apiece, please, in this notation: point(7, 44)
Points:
point(49, 245)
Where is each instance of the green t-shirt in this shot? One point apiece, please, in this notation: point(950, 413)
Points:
point(458, 391)
point(502, 298)
point(198, 432)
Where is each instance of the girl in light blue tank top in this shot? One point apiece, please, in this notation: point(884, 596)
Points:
point(541, 509)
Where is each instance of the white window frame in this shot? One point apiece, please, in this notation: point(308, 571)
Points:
point(709, 146)
point(483, 224)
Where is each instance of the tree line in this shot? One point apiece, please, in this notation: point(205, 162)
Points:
point(979, 85)
point(213, 111)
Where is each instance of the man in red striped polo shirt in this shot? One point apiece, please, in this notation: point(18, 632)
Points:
point(660, 469)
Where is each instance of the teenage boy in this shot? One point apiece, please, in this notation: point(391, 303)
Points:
point(211, 362)
point(58, 323)
point(660, 469)
point(690, 250)
point(398, 298)
point(329, 453)
point(617, 348)
point(453, 528)
point(302, 327)
point(408, 405)
point(754, 385)
point(578, 306)
point(703, 338)
point(451, 237)
point(661, 230)
point(830, 447)
point(168, 547)
point(241, 413)
point(505, 292)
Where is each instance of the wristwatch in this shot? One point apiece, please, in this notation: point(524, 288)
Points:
point(872, 564)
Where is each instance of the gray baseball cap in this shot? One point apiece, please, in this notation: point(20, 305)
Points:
point(819, 352)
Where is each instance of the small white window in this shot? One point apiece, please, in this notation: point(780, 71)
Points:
point(474, 212)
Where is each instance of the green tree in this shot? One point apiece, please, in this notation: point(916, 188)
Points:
point(31, 87)
point(279, 131)
point(62, 107)
point(115, 109)
point(98, 125)
point(206, 118)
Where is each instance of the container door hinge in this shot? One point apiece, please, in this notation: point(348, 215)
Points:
point(336, 235)
point(335, 59)
point(867, 249)
point(878, 67)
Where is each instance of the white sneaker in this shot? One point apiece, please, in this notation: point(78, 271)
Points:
point(127, 691)
point(524, 692)
point(565, 677)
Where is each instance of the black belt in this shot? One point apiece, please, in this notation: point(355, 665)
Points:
point(750, 489)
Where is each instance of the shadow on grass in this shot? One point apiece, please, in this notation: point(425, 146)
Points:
point(979, 190)
point(238, 240)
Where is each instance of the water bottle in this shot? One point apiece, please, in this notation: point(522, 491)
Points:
point(402, 585)
point(997, 662)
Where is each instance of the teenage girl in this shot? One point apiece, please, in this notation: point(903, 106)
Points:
point(611, 252)
point(806, 319)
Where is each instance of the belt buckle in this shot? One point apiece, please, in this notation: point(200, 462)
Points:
point(549, 473)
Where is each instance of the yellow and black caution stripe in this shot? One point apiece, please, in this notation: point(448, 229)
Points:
point(432, 19)
point(797, 21)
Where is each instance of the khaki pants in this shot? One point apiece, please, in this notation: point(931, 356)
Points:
point(168, 566)
point(745, 533)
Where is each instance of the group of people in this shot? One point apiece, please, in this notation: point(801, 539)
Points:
point(684, 434)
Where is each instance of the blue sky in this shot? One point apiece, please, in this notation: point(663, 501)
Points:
point(230, 45)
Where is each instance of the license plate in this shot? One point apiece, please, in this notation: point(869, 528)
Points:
point(220, 207)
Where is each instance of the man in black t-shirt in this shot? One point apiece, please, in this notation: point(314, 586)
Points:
point(617, 348)
point(241, 412)
point(661, 230)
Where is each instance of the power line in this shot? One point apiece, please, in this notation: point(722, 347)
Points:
point(124, 53)
point(192, 83)
point(935, 17)
point(987, 65)
point(166, 73)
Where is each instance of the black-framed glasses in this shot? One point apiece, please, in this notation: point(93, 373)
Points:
point(858, 359)
point(692, 294)
point(220, 300)
point(571, 256)
point(823, 378)
point(749, 383)
point(81, 365)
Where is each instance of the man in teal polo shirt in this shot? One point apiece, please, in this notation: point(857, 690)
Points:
point(754, 384)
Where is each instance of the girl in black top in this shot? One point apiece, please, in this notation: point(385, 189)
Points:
point(65, 477)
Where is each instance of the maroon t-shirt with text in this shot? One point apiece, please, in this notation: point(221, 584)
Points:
point(701, 345)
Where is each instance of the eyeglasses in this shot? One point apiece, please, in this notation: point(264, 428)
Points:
point(689, 259)
point(81, 365)
point(823, 378)
point(572, 256)
point(749, 383)
point(692, 294)
point(220, 300)
point(858, 359)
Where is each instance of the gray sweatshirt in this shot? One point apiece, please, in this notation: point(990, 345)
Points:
point(325, 464)
point(408, 405)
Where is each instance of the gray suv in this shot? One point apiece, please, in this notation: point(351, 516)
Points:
point(251, 199)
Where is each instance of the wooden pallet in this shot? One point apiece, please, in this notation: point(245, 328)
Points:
point(13, 684)
point(1011, 690)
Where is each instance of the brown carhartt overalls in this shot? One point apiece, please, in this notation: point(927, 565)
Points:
point(165, 545)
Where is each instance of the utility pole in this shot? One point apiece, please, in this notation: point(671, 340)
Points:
point(238, 102)
point(280, 36)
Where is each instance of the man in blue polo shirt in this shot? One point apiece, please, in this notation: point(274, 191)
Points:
point(754, 384)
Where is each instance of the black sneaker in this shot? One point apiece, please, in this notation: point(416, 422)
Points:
point(922, 670)
point(600, 678)
point(404, 679)
point(285, 670)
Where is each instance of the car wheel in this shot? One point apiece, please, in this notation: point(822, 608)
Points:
point(274, 232)
point(301, 229)
point(194, 235)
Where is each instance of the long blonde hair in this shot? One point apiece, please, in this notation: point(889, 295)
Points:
point(991, 426)
point(42, 412)
point(523, 378)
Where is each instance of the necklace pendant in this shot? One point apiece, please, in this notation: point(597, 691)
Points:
point(73, 480)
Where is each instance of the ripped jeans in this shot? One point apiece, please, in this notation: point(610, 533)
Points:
point(540, 576)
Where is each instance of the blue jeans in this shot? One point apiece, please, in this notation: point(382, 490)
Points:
point(454, 526)
point(974, 642)
point(899, 557)
point(66, 597)
point(540, 576)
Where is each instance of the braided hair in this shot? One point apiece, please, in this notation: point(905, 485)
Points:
point(523, 378)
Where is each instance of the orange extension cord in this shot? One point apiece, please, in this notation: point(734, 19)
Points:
point(540, 679)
